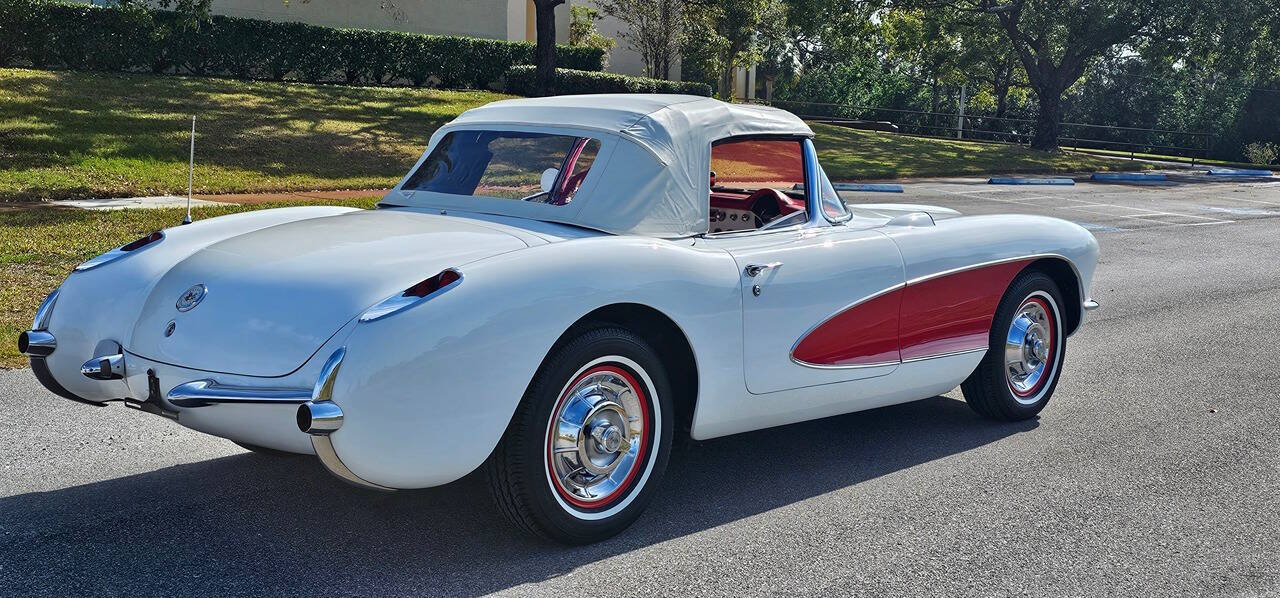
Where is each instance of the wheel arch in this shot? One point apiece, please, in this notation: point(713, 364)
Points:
point(1065, 276)
point(667, 338)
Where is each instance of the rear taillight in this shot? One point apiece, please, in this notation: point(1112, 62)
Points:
point(142, 242)
point(122, 251)
point(432, 284)
point(413, 295)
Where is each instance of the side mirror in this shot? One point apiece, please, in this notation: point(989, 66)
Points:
point(549, 177)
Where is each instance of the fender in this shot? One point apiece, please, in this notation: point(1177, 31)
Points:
point(428, 392)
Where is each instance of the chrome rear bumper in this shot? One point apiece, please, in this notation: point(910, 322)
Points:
point(201, 393)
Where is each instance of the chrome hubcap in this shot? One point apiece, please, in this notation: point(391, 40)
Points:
point(1028, 348)
point(597, 437)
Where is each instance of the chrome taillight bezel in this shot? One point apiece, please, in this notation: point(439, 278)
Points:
point(122, 252)
point(402, 301)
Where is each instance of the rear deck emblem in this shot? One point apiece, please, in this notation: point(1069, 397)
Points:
point(190, 298)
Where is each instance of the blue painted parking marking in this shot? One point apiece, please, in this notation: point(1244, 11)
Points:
point(1128, 176)
point(1238, 172)
point(873, 187)
point(1020, 181)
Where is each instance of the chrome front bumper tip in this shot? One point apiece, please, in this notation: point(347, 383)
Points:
point(107, 367)
point(1090, 305)
point(37, 343)
point(319, 418)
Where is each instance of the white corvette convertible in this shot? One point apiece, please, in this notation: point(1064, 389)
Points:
point(556, 289)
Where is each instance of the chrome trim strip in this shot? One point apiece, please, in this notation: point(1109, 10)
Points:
point(323, 443)
point(947, 354)
point(957, 270)
point(1090, 305)
point(856, 366)
point(37, 343)
point(323, 389)
point(41, 321)
point(201, 393)
point(323, 447)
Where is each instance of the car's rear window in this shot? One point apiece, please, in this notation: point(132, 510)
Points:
point(536, 167)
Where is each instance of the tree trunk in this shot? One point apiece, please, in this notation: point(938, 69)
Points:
point(933, 104)
point(545, 56)
point(1048, 118)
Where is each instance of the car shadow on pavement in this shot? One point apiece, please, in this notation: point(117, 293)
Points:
point(258, 524)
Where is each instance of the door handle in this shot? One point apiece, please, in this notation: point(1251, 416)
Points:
point(754, 270)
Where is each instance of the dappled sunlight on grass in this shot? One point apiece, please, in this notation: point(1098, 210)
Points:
point(71, 134)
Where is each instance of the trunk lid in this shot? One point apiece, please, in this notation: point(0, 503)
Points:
point(274, 296)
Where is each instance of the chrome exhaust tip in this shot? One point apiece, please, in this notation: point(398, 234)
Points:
point(37, 343)
point(319, 418)
point(107, 367)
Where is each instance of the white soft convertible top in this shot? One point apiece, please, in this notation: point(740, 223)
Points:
point(651, 175)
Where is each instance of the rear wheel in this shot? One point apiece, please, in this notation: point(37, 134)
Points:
point(589, 442)
point(1020, 371)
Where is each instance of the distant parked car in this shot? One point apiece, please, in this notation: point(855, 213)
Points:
point(556, 289)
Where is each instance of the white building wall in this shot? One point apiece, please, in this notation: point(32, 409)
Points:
point(623, 59)
point(493, 19)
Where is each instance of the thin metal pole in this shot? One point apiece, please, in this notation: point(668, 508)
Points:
point(964, 88)
point(191, 169)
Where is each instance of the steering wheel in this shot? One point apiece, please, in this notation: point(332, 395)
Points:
point(764, 204)
point(787, 220)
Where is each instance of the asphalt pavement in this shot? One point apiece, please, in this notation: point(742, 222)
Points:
point(1155, 470)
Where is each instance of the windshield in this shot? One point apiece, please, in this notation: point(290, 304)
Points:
point(536, 167)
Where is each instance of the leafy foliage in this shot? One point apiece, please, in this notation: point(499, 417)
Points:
point(520, 80)
point(655, 30)
point(582, 29)
point(130, 38)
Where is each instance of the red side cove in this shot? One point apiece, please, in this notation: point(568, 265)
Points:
point(865, 334)
point(930, 318)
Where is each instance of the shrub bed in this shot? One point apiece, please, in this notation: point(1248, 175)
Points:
point(44, 33)
point(520, 80)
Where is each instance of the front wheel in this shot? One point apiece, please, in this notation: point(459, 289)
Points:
point(1021, 368)
point(589, 442)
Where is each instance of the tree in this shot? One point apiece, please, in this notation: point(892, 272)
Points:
point(193, 12)
point(655, 30)
point(582, 29)
point(1056, 40)
point(545, 55)
point(731, 34)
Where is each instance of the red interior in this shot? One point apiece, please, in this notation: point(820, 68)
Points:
point(733, 200)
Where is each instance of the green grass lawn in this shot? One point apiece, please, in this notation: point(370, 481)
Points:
point(67, 134)
point(70, 135)
point(848, 154)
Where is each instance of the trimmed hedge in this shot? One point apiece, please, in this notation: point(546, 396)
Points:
point(520, 80)
point(44, 33)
